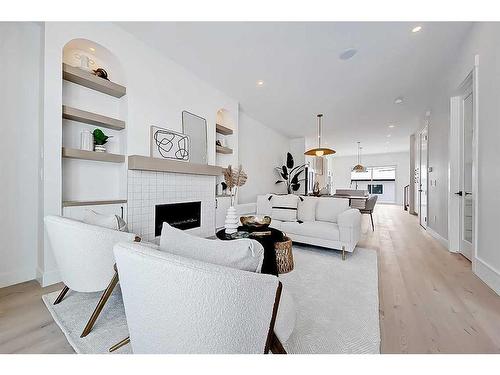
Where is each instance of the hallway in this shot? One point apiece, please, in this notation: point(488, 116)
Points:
point(430, 301)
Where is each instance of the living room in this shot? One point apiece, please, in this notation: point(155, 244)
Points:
point(249, 187)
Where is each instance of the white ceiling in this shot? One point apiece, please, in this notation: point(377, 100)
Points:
point(303, 75)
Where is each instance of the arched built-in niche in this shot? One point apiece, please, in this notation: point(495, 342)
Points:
point(90, 102)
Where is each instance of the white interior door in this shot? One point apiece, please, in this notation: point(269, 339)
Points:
point(422, 188)
point(466, 167)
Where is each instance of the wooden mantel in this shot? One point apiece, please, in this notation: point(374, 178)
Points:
point(144, 163)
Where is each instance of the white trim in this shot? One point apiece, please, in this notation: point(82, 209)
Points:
point(443, 241)
point(19, 275)
point(475, 146)
point(488, 274)
point(50, 278)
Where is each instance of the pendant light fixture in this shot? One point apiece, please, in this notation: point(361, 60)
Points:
point(319, 151)
point(358, 167)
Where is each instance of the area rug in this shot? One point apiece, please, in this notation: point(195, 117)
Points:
point(337, 307)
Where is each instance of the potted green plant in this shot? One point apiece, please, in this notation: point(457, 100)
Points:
point(100, 140)
point(290, 174)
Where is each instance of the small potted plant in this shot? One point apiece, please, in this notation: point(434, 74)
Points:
point(100, 140)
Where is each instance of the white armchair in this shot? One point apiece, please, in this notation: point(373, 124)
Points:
point(175, 304)
point(84, 255)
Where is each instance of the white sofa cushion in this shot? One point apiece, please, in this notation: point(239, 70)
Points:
point(264, 205)
point(244, 254)
point(306, 209)
point(317, 229)
point(105, 221)
point(284, 207)
point(328, 209)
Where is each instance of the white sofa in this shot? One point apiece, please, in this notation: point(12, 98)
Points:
point(321, 221)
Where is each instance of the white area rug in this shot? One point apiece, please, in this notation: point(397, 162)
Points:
point(337, 307)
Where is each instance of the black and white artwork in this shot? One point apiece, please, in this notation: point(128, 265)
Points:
point(168, 144)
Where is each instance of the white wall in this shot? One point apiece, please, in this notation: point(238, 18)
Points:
point(158, 90)
point(260, 150)
point(19, 150)
point(483, 40)
point(342, 165)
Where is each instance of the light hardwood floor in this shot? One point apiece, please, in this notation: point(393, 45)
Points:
point(430, 302)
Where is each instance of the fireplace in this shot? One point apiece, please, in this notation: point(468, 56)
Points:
point(183, 216)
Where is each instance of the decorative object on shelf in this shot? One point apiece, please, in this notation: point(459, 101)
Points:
point(86, 140)
point(290, 174)
point(316, 189)
point(100, 140)
point(85, 62)
point(101, 73)
point(257, 222)
point(359, 168)
point(168, 144)
point(195, 127)
point(233, 179)
point(319, 151)
point(318, 165)
point(218, 143)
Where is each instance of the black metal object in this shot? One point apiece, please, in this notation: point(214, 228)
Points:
point(183, 216)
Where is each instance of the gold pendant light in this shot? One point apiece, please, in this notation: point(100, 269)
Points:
point(319, 151)
point(358, 167)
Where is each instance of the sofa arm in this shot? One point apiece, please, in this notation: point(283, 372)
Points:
point(349, 223)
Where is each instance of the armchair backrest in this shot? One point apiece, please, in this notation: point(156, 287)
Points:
point(83, 252)
point(370, 203)
point(180, 305)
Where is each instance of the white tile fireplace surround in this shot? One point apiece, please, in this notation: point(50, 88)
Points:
point(147, 189)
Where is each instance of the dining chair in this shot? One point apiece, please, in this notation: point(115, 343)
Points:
point(369, 207)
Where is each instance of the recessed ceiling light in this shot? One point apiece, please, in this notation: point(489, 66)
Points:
point(348, 54)
point(387, 142)
point(398, 100)
point(392, 126)
point(92, 49)
point(260, 83)
point(388, 136)
point(416, 29)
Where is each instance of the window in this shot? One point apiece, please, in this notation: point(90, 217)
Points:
point(375, 189)
point(375, 174)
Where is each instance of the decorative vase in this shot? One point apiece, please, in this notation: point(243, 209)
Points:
point(231, 223)
point(100, 148)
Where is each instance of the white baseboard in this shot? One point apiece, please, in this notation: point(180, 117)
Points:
point(16, 276)
point(443, 241)
point(488, 274)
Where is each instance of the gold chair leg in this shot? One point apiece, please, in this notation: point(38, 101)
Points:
point(61, 295)
point(117, 346)
point(100, 305)
point(343, 252)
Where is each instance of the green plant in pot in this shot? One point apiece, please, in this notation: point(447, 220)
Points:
point(100, 140)
point(290, 174)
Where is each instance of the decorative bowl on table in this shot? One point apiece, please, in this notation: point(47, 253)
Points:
point(255, 222)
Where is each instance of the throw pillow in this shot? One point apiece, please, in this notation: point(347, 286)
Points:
point(306, 209)
point(328, 209)
point(106, 221)
point(263, 205)
point(244, 254)
point(284, 207)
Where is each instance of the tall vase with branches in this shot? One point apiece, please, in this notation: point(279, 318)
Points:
point(290, 174)
point(234, 179)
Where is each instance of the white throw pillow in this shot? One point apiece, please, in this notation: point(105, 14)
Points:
point(328, 209)
point(244, 254)
point(284, 207)
point(106, 221)
point(264, 205)
point(306, 209)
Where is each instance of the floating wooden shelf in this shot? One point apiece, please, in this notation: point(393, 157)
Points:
point(221, 129)
point(73, 153)
point(84, 78)
point(92, 203)
point(223, 150)
point(144, 163)
point(79, 115)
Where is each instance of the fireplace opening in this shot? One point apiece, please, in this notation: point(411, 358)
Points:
point(183, 216)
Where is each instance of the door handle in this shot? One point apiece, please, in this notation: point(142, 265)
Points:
point(459, 193)
point(468, 193)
